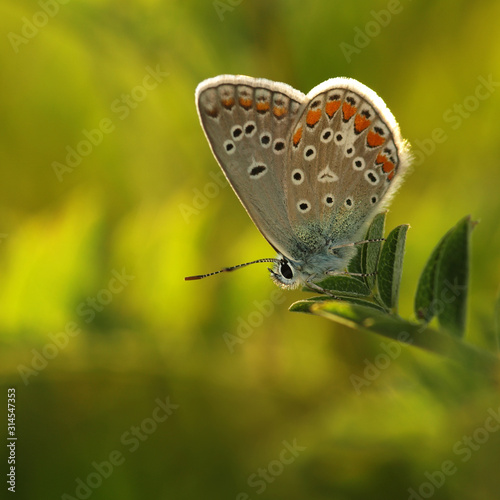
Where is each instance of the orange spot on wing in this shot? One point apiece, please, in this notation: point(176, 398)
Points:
point(373, 139)
point(228, 103)
point(313, 116)
point(245, 102)
point(279, 112)
point(331, 107)
point(263, 106)
point(213, 112)
point(297, 136)
point(360, 123)
point(348, 111)
point(387, 166)
point(391, 175)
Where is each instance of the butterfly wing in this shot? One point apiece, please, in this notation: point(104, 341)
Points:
point(345, 161)
point(247, 122)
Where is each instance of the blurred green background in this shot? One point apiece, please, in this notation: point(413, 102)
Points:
point(91, 355)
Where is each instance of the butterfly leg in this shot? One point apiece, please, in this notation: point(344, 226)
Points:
point(362, 242)
point(347, 273)
point(317, 288)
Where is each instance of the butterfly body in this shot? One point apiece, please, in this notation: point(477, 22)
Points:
point(311, 170)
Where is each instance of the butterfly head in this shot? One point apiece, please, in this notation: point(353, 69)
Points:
point(314, 267)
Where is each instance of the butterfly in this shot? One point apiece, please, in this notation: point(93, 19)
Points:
point(311, 170)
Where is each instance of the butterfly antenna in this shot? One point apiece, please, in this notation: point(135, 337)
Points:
point(229, 269)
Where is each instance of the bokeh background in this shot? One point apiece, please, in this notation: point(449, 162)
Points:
point(90, 356)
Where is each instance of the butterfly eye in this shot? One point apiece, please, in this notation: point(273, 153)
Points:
point(286, 270)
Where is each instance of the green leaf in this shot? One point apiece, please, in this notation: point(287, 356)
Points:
point(397, 329)
point(442, 288)
point(368, 253)
point(426, 288)
point(371, 251)
point(345, 285)
point(452, 278)
point(305, 305)
point(355, 265)
point(390, 267)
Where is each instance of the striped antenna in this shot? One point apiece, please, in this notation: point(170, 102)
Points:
point(229, 269)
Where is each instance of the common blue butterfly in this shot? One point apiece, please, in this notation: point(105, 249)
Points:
point(311, 170)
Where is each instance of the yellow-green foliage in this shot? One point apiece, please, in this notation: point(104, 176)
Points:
point(96, 322)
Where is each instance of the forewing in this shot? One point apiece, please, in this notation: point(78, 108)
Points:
point(247, 122)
